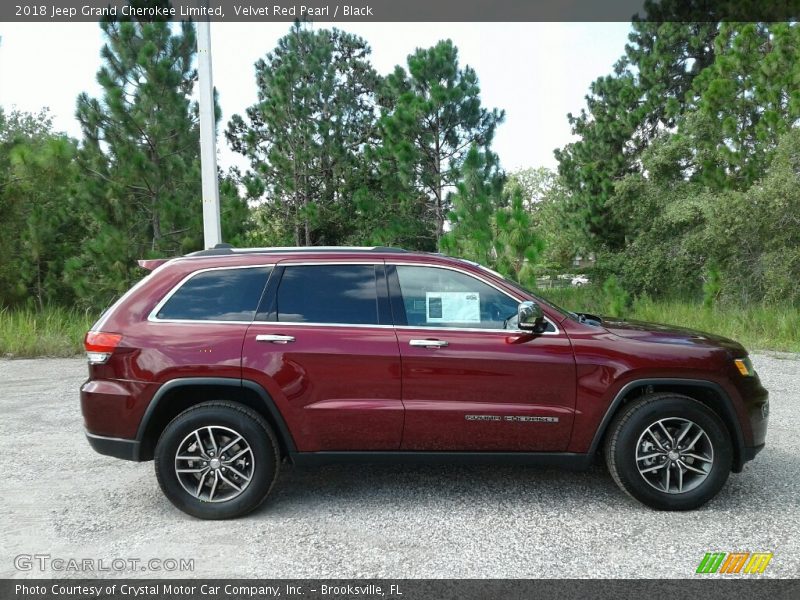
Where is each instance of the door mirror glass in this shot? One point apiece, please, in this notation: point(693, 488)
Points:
point(530, 316)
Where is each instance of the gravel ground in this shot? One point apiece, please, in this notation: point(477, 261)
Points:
point(64, 500)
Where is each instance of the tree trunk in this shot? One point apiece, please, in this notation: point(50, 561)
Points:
point(438, 207)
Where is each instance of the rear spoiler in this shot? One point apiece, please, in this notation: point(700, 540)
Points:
point(151, 263)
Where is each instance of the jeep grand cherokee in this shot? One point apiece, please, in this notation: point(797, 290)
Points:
point(223, 364)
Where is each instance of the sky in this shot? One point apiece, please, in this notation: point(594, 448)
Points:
point(536, 72)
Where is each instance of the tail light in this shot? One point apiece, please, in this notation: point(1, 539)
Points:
point(100, 345)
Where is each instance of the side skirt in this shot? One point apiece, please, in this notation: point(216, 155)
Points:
point(562, 460)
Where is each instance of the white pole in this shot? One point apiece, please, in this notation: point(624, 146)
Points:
point(212, 233)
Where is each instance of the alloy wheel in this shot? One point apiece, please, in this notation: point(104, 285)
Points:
point(674, 455)
point(214, 464)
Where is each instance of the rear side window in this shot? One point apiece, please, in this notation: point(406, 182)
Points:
point(337, 294)
point(218, 295)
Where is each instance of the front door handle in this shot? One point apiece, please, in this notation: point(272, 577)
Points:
point(428, 343)
point(275, 338)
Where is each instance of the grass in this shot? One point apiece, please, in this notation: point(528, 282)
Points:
point(53, 331)
point(758, 327)
point(59, 331)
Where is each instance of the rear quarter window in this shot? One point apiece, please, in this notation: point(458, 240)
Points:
point(217, 295)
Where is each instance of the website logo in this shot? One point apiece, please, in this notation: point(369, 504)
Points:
point(732, 563)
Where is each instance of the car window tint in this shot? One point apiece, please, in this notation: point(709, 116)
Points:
point(343, 294)
point(218, 295)
point(435, 297)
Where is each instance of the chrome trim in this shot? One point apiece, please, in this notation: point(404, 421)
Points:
point(213, 322)
point(290, 263)
point(152, 316)
point(109, 438)
point(306, 249)
point(363, 325)
point(428, 343)
point(470, 329)
point(305, 324)
point(274, 338)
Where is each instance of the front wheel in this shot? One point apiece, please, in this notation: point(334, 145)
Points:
point(669, 451)
point(217, 460)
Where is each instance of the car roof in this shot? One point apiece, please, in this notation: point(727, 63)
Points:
point(227, 250)
point(224, 255)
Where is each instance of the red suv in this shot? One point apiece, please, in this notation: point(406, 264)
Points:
point(222, 364)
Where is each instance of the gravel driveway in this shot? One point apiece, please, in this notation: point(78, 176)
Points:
point(62, 499)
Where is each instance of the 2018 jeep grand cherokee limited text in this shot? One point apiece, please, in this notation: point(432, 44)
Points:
point(222, 364)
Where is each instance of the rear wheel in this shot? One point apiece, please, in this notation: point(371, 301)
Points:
point(217, 460)
point(669, 451)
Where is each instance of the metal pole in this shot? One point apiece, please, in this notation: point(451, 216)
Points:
point(212, 233)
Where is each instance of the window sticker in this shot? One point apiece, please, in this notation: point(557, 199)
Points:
point(452, 307)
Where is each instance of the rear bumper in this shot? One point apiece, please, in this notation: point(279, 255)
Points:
point(114, 407)
point(116, 447)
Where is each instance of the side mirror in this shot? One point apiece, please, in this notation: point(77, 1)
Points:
point(530, 317)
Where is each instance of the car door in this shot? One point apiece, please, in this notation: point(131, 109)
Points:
point(324, 348)
point(471, 381)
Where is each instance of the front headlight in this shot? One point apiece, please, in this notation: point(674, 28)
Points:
point(745, 366)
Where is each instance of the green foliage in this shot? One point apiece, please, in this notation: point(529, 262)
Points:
point(726, 246)
point(487, 226)
point(474, 203)
point(305, 136)
point(546, 200)
point(751, 96)
point(712, 285)
point(44, 331)
point(325, 168)
point(616, 298)
point(626, 110)
point(701, 199)
point(517, 245)
point(40, 224)
point(757, 326)
point(431, 118)
point(139, 159)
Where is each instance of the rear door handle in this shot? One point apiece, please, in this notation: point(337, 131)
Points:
point(428, 343)
point(275, 338)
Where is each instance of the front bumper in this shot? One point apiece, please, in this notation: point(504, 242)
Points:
point(116, 447)
point(750, 453)
point(756, 403)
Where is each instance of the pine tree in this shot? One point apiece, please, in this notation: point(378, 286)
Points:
point(434, 119)
point(139, 156)
point(517, 245)
point(477, 197)
point(40, 224)
point(747, 99)
point(651, 86)
point(490, 226)
point(306, 134)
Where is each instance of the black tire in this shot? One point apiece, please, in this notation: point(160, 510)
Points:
point(219, 414)
point(627, 433)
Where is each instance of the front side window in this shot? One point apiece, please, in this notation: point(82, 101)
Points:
point(217, 295)
point(434, 297)
point(335, 294)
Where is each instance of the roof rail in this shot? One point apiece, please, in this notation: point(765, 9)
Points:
point(228, 250)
